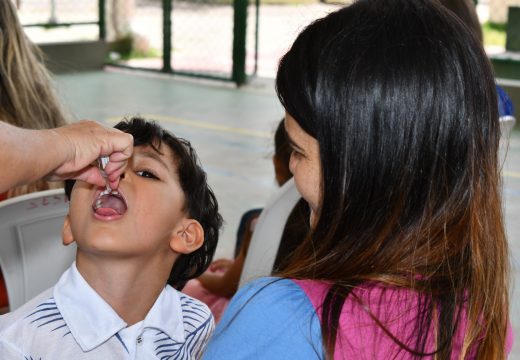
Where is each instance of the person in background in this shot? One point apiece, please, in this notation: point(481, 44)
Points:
point(391, 112)
point(217, 285)
point(467, 13)
point(282, 153)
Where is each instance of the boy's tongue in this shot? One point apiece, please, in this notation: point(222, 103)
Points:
point(106, 212)
point(109, 205)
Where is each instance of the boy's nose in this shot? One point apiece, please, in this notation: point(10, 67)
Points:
point(122, 176)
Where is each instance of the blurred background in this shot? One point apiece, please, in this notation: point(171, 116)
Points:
point(216, 38)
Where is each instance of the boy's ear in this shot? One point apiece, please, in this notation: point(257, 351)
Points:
point(66, 232)
point(187, 237)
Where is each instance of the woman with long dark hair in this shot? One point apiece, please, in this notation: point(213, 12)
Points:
point(391, 111)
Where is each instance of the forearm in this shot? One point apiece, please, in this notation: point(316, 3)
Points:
point(220, 285)
point(27, 155)
point(227, 283)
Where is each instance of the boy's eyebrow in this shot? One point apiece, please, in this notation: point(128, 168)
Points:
point(154, 155)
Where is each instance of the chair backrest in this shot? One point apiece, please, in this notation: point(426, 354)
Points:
point(507, 123)
point(32, 256)
point(268, 233)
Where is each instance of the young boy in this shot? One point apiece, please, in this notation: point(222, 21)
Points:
point(160, 226)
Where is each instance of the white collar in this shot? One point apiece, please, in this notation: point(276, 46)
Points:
point(92, 321)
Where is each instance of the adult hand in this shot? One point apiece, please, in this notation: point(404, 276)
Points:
point(86, 141)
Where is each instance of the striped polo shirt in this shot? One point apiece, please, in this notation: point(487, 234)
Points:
point(71, 321)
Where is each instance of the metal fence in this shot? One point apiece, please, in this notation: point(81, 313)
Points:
point(195, 38)
point(216, 39)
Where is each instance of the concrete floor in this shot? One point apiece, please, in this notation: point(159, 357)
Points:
point(232, 131)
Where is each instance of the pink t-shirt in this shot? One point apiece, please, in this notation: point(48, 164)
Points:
point(360, 337)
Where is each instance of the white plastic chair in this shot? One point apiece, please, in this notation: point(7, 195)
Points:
point(32, 256)
point(507, 123)
point(268, 233)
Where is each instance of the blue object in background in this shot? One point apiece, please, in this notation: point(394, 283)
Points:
point(505, 105)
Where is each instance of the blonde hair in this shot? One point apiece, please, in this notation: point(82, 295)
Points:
point(27, 95)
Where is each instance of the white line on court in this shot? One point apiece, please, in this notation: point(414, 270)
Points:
point(512, 174)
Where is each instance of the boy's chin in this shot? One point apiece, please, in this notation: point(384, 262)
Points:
point(101, 241)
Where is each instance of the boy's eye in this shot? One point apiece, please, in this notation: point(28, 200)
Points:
point(147, 174)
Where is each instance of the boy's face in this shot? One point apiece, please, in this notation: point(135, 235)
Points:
point(154, 214)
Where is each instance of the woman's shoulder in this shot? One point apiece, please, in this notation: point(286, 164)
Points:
point(269, 288)
point(268, 318)
point(275, 297)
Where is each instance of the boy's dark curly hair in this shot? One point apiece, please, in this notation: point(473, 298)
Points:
point(201, 203)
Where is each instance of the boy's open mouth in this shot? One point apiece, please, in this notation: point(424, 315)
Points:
point(108, 204)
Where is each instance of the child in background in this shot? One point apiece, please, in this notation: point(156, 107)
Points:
point(159, 227)
point(217, 285)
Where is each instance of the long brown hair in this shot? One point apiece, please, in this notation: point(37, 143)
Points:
point(401, 99)
point(27, 95)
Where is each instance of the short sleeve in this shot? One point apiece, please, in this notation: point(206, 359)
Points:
point(269, 318)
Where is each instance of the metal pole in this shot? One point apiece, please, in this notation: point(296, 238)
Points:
point(102, 20)
point(257, 30)
point(167, 36)
point(238, 74)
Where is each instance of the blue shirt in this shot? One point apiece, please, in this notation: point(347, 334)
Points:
point(269, 318)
